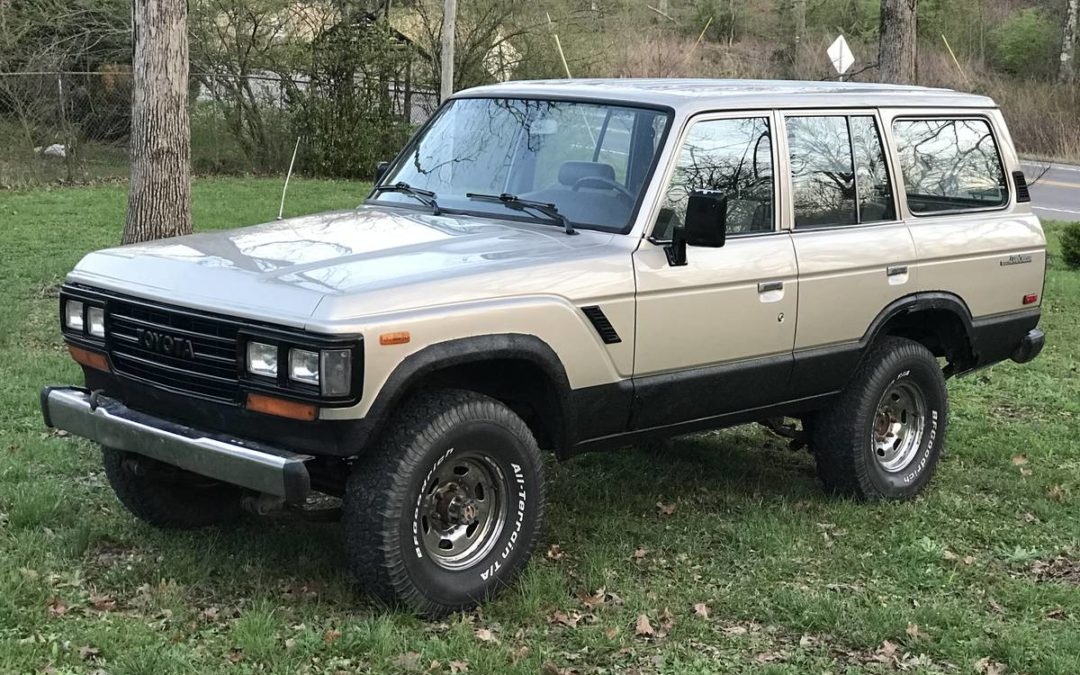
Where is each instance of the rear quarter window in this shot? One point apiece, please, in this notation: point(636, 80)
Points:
point(950, 165)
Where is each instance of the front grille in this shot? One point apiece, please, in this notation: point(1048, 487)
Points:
point(175, 349)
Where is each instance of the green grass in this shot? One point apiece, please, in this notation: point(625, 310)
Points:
point(794, 581)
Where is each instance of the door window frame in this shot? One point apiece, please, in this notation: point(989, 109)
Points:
point(788, 222)
point(673, 163)
point(943, 115)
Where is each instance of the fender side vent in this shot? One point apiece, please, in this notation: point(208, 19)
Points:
point(1022, 194)
point(603, 327)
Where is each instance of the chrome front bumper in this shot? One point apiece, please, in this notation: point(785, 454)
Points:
point(232, 460)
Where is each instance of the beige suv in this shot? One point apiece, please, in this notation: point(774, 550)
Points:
point(565, 265)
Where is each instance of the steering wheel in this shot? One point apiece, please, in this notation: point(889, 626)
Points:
point(599, 181)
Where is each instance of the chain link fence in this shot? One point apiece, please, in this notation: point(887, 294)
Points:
point(73, 127)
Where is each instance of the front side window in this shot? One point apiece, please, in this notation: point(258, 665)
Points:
point(950, 165)
point(729, 156)
point(591, 160)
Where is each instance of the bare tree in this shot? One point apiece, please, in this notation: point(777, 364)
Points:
point(446, 54)
point(897, 45)
point(1067, 67)
point(159, 198)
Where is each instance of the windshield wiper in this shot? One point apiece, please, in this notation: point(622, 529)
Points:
point(519, 204)
point(426, 197)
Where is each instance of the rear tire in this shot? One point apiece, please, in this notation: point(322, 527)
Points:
point(883, 437)
point(167, 497)
point(447, 510)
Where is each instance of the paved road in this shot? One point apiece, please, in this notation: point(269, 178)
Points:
point(1056, 195)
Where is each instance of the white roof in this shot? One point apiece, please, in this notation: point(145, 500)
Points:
point(693, 95)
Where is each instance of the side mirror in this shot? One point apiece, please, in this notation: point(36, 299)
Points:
point(380, 171)
point(705, 225)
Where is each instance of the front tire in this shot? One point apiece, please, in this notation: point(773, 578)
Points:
point(447, 510)
point(883, 437)
point(167, 497)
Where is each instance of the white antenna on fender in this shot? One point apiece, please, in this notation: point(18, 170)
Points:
point(284, 189)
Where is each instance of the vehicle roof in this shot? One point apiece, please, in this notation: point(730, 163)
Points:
point(700, 94)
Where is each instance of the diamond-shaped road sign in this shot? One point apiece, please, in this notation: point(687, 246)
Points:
point(840, 55)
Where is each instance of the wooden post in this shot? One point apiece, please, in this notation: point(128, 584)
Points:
point(159, 197)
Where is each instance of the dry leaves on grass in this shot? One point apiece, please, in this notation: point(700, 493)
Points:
point(459, 666)
point(640, 553)
point(485, 635)
point(665, 509)
point(600, 598)
point(701, 609)
point(568, 619)
point(331, 636)
point(1019, 460)
point(57, 607)
point(1061, 568)
point(554, 552)
point(643, 628)
point(987, 666)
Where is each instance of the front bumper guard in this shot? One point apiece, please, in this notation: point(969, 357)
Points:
point(229, 459)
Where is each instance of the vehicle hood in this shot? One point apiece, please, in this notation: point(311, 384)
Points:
point(282, 271)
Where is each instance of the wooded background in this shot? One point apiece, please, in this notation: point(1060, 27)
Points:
point(352, 79)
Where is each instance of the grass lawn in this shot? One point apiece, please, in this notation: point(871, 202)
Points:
point(754, 569)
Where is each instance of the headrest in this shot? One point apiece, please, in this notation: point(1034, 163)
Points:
point(571, 172)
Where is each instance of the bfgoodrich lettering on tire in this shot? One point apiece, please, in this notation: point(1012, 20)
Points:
point(447, 510)
point(883, 437)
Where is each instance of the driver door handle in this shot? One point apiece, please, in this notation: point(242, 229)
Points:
point(766, 286)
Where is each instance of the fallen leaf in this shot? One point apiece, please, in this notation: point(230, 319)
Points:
point(554, 552)
point(665, 509)
point(1056, 492)
point(1019, 459)
point(807, 641)
point(519, 653)
point(485, 635)
point(407, 661)
point(102, 603)
point(459, 666)
point(569, 620)
point(640, 553)
point(769, 657)
point(57, 607)
point(969, 560)
point(735, 630)
point(1056, 614)
point(986, 666)
point(1030, 517)
point(290, 644)
point(913, 631)
point(949, 555)
point(995, 606)
point(701, 609)
point(642, 627)
point(550, 668)
point(667, 623)
point(87, 653)
point(330, 636)
point(236, 656)
point(611, 633)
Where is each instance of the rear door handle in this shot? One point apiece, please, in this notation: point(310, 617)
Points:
point(766, 286)
point(896, 270)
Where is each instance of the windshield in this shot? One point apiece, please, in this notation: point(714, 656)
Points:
point(590, 160)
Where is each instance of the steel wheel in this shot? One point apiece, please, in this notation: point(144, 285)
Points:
point(462, 511)
point(898, 426)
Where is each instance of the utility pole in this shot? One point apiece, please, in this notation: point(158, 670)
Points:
point(446, 67)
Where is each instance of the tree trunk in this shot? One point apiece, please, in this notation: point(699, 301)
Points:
point(897, 46)
point(159, 198)
point(1067, 68)
point(793, 27)
point(446, 56)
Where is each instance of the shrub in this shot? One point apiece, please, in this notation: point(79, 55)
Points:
point(1070, 245)
point(1025, 43)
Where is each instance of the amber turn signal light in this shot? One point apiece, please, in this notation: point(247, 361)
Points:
point(399, 338)
point(281, 407)
point(95, 360)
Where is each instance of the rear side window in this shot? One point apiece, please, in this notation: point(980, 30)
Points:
point(838, 171)
point(950, 165)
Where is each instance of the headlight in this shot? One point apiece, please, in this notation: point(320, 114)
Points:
point(304, 366)
point(73, 315)
point(95, 321)
point(262, 359)
point(336, 371)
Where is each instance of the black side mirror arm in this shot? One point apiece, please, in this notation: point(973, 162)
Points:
point(676, 250)
point(380, 171)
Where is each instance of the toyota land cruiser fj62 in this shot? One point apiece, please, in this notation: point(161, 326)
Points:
point(564, 265)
